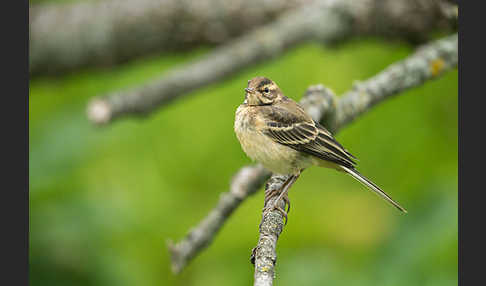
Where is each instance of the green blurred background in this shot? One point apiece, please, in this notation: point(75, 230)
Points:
point(104, 200)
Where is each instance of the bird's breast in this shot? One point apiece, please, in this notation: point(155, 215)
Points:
point(276, 157)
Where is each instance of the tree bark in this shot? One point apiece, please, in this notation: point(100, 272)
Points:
point(64, 37)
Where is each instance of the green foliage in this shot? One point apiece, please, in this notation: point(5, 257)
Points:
point(103, 201)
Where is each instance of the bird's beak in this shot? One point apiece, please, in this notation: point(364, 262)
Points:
point(249, 90)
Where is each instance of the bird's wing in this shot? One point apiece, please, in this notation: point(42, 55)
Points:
point(305, 135)
point(292, 127)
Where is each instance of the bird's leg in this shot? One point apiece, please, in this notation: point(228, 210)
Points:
point(269, 194)
point(283, 194)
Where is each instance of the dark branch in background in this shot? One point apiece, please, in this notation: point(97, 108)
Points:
point(326, 21)
point(427, 63)
point(64, 37)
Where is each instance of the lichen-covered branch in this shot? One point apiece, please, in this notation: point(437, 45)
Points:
point(64, 37)
point(264, 255)
point(322, 104)
point(326, 21)
point(427, 63)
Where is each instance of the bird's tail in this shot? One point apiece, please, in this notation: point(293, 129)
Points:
point(372, 186)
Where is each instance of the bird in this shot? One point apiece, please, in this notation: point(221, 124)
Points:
point(276, 132)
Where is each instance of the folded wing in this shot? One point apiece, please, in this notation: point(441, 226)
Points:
point(311, 138)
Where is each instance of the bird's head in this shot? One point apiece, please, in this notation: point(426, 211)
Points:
point(262, 91)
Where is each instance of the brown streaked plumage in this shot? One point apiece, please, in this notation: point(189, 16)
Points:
point(275, 131)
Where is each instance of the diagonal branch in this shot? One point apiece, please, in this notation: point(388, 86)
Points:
point(327, 21)
point(426, 63)
point(245, 183)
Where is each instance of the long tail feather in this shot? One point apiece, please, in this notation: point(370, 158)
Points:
point(373, 187)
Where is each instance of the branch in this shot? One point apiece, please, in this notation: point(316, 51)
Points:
point(426, 63)
point(325, 20)
point(245, 183)
point(264, 255)
point(64, 37)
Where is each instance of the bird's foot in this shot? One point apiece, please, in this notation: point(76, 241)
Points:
point(275, 204)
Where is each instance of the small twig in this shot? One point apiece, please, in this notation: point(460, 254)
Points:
point(427, 63)
point(326, 21)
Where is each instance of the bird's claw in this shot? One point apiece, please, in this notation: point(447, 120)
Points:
point(275, 206)
point(253, 256)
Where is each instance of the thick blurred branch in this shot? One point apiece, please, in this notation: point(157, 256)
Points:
point(326, 21)
point(427, 63)
point(64, 37)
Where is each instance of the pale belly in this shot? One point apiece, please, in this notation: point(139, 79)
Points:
point(275, 157)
